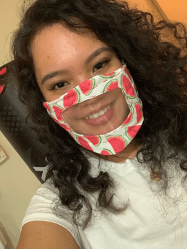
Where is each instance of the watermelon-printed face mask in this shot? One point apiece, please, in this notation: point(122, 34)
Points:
point(116, 140)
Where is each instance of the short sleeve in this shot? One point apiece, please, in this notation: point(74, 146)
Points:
point(40, 209)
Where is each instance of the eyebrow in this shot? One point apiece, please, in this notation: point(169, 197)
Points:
point(53, 74)
point(97, 52)
point(65, 71)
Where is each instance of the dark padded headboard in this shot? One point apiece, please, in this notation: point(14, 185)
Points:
point(14, 127)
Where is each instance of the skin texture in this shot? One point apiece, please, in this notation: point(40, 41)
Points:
point(42, 234)
point(62, 60)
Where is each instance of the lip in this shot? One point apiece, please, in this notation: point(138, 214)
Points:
point(107, 116)
point(93, 105)
point(97, 110)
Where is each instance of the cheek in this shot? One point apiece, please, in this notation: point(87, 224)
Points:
point(48, 94)
point(122, 107)
point(69, 114)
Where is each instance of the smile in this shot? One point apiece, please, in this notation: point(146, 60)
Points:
point(102, 112)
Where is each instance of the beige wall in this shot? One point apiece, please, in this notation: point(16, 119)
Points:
point(17, 186)
point(17, 182)
point(9, 18)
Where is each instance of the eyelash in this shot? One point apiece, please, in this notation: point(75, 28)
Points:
point(101, 62)
point(53, 87)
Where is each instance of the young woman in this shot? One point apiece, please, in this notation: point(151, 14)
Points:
point(108, 95)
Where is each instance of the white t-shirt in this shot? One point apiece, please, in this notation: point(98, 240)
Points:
point(152, 219)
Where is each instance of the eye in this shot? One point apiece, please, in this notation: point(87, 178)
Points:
point(58, 85)
point(100, 65)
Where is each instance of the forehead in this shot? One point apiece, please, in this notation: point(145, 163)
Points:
point(58, 39)
point(56, 47)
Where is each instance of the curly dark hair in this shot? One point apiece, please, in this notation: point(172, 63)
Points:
point(155, 55)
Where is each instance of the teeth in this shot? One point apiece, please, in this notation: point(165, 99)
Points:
point(96, 115)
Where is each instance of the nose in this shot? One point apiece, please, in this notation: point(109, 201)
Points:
point(83, 76)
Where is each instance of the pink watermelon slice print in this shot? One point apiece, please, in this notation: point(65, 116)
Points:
point(58, 111)
point(95, 140)
point(71, 98)
point(139, 113)
point(47, 107)
point(117, 143)
point(129, 90)
point(111, 85)
point(106, 152)
point(87, 86)
point(132, 131)
point(128, 119)
point(84, 143)
point(108, 76)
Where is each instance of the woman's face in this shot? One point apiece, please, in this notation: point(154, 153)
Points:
point(62, 60)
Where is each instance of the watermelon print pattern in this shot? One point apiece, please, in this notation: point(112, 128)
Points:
point(132, 131)
point(87, 86)
point(71, 98)
point(106, 152)
point(111, 85)
point(139, 112)
point(128, 74)
point(110, 75)
point(47, 106)
point(117, 143)
point(84, 143)
point(116, 140)
point(95, 140)
point(58, 111)
point(65, 127)
point(126, 85)
point(128, 119)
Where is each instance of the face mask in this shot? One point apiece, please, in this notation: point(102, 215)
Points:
point(115, 141)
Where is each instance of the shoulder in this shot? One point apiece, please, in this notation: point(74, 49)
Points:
point(40, 217)
point(45, 206)
point(42, 234)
